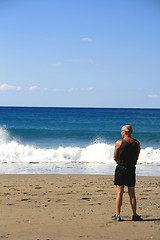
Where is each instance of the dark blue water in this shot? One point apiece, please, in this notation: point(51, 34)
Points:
point(79, 126)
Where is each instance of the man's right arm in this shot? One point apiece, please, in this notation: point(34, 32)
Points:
point(139, 148)
point(116, 149)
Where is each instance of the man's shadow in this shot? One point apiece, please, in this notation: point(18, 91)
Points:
point(145, 220)
point(150, 219)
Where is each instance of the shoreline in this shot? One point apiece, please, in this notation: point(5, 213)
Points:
point(77, 169)
point(75, 206)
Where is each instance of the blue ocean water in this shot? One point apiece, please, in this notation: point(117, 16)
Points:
point(74, 140)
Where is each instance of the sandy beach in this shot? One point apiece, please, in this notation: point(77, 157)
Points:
point(72, 207)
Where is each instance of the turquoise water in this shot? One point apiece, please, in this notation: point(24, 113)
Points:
point(74, 140)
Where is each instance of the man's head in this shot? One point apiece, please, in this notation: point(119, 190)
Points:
point(126, 130)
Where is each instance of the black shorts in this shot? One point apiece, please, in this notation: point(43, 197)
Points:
point(125, 175)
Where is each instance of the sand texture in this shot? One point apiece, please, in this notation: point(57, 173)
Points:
point(72, 207)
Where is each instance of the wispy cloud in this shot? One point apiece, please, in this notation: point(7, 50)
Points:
point(33, 88)
point(73, 89)
point(87, 89)
point(7, 87)
point(75, 60)
point(87, 39)
point(57, 64)
point(155, 96)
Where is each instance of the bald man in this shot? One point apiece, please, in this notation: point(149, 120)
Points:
point(126, 155)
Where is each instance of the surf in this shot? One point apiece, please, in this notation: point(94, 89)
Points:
point(13, 151)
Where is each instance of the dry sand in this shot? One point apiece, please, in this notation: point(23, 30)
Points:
point(72, 207)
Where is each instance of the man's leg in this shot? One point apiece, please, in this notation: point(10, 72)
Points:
point(119, 198)
point(133, 202)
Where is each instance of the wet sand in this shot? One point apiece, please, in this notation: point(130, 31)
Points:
point(75, 207)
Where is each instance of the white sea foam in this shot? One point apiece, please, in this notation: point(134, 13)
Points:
point(11, 151)
point(4, 135)
point(14, 152)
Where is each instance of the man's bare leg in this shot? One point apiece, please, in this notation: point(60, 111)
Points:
point(119, 199)
point(133, 202)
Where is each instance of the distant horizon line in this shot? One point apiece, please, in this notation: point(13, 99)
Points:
point(96, 107)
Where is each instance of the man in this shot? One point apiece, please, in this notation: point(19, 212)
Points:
point(126, 154)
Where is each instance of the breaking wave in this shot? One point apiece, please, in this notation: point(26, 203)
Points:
point(12, 151)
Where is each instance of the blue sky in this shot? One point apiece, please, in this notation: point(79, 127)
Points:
point(74, 53)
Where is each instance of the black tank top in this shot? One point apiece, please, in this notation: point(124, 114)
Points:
point(128, 153)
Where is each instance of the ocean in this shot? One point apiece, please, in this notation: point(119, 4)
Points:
point(36, 140)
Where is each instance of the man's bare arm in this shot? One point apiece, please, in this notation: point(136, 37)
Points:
point(116, 150)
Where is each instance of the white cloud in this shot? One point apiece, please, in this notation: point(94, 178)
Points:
point(57, 64)
point(45, 89)
point(33, 88)
point(71, 89)
point(75, 61)
point(87, 39)
point(55, 90)
point(155, 96)
point(87, 89)
point(6, 87)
